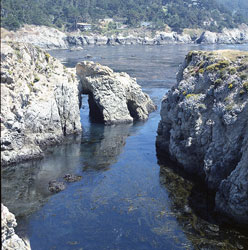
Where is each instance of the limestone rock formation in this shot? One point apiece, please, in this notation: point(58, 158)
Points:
point(204, 125)
point(39, 102)
point(10, 240)
point(113, 97)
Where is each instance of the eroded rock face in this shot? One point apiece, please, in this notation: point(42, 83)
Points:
point(113, 97)
point(204, 125)
point(10, 240)
point(227, 36)
point(39, 102)
point(41, 36)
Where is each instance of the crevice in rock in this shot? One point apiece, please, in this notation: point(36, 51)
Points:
point(95, 113)
point(132, 108)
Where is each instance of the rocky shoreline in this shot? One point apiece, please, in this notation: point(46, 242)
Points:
point(204, 125)
point(10, 240)
point(41, 100)
point(203, 118)
point(51, 38)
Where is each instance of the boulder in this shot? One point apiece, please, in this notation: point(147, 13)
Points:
point(204, 125)
point(10, 240)
point(113, 97)
point(56, 186)
point(207, 37)
point(39, 105)
point(72, 178)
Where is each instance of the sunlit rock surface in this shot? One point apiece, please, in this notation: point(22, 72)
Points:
point(39, 102)
point(10, 240)
point(113, 97)
point(204, 125)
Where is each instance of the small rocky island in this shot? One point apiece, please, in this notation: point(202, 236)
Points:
point(113, 97)
point(204, 125)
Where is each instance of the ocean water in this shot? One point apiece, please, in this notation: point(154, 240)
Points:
point(127, 197)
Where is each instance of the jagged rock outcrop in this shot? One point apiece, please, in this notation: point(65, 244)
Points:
point(113, 97)
point(10, 240)
point(204, 125)
point(227, 36)
point(39, 102)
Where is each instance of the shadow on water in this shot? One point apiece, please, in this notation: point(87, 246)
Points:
point(103, 146)
point(25, 185)
point(193, 205)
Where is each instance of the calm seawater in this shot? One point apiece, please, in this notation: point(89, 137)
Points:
point(127, 199)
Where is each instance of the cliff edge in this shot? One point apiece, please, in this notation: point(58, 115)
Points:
point(204, 125)
point(39, 102)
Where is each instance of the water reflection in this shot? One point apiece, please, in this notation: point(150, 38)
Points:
point(103, 146)
point(25, 186)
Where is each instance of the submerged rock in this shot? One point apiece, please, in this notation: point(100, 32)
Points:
point(10, 240)
point(204, 125)
point(113, 97)
point(39, 102)
point(56, 186)
point(72, 178)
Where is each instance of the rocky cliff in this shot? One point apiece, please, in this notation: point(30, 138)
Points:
point(204, 125)
point(39, 102)
point(113, 97)
point(51, 38)
point(227, 36)
point(9, 239)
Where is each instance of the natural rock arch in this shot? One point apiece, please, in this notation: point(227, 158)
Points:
point(113, 97)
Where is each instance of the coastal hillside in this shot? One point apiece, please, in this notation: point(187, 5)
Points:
point(204, 125)
point(156, 14)
point(237, 7)
point(39, 102)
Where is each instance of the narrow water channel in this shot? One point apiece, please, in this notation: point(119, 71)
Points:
point(127, 198)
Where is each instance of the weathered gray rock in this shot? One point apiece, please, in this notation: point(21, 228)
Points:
point(113, 97)
point(41, 36)
point(39, 105)
point(227, 36)
point(204, 125)
point(51, 38)
point(10, 240)
point(72, 178)
point(56, 186)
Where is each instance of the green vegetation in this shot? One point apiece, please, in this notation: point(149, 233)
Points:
point(232, 70)
point(36, 79)
point(237, 7)
point(195, 96)
point(218, 82)
point(178, 14)
point(242, 91)
point(217, 66)
point(244, 76)
point(47, 56)
point(245, 86)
